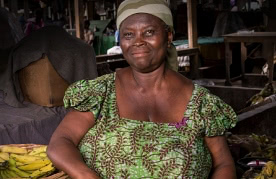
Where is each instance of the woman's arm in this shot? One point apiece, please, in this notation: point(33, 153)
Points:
point(62, 149)
point(223, 164)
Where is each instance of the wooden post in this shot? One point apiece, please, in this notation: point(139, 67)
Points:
point(228, 62)
point(90, 10)
point(70, 14)
point(79, 18)
point(26, 9)
point(2, 3)
point(192, 35)
point(243, 58)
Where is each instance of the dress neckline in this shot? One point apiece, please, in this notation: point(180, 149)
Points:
point(185, 115)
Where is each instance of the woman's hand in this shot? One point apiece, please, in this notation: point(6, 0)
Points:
point(223, 164)
point(62, 149)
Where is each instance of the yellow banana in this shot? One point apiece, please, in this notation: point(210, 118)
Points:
point(4, 156)
point(19, 172)
point(24, 158)
point(38, 150)
point(274, 172)
point(268, 169)
point(261, 177)
point(2, 161)
point(13, 149)
point(35, 165)
point(20, 164)
point(41, 155)
point(42, 171)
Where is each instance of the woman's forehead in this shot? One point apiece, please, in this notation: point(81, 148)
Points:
point(140, 18)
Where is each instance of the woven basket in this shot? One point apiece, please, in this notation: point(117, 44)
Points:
point(59, 175)
point(27, 146)
point(56, 175)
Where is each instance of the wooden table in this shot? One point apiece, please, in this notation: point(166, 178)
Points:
point(268, 39)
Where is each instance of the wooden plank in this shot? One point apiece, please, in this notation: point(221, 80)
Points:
point(79, 19)
point(251, 37)
point(182, 52)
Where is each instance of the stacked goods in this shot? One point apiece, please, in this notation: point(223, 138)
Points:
point(25, 161)
point(258, 146)
point(262, 96)
point(268, 171)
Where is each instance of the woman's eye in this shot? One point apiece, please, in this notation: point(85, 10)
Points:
point(128, 35)
point(149, 33)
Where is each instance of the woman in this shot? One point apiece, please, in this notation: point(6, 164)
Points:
point(146, 120)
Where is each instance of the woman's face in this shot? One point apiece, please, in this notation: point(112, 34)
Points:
point(144, 41)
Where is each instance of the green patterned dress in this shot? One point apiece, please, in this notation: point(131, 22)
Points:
point(123, 148)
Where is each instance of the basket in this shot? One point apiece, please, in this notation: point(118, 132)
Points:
point(59, 175)
point(55, 175)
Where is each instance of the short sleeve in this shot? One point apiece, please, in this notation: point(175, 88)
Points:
point(86, 95)
point(218, 116)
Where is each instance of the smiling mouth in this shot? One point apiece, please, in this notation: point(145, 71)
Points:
point(140, 54)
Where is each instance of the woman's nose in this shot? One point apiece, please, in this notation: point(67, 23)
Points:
point(139, 41)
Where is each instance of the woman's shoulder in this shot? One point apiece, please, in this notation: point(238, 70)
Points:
point(87, 93)
point(94, 83)
point(204, 95)
point(207, 103)
point(87, 87)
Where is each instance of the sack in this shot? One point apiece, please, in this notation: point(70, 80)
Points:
point(41, 84)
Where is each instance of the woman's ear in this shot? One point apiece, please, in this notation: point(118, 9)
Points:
point(170, 38)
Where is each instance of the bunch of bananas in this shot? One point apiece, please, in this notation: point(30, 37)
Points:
point(268, 171)
point(20, 162)
point(266, 147)
point(262, 95)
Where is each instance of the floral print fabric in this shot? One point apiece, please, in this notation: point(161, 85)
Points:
point(123, 148)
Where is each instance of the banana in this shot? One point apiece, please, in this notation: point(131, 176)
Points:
point(13, 149)
point(4, 156)
point(19, 172)
point(38, 150)
point(274, 174)
point(3, 175)
point(35, 165)
point(4, 164)
point(268, 169)
point(12, 162)
point(42, 171)
point(24, 158)
point(270, 164)
point(260, 177)
point(20, 164)
point(1, 161)
point(42, 155)
point(11, 174)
